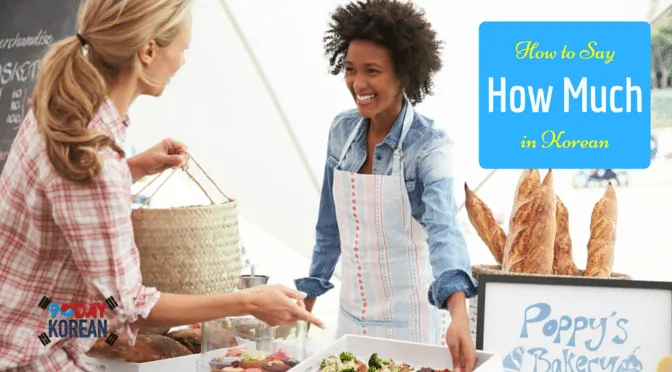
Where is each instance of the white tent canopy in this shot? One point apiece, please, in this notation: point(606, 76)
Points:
point(218, 104)
point(220, 107)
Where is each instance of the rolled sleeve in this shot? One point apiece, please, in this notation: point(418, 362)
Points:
point(313, 287)
point(449, 283)
point(96, 223)
point(448, 252)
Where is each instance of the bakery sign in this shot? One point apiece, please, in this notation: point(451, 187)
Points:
point(76, 320)
point(564, 324)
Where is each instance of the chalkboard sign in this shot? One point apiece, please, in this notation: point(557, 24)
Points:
point(561, 324)
point(27, 28)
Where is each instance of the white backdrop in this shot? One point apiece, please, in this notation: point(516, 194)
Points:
point(219, 106)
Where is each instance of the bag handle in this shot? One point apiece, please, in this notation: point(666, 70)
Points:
point(191, 158)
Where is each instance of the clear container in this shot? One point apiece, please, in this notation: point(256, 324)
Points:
point(279, 348)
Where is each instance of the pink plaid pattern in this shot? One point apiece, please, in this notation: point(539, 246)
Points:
point(68, 242)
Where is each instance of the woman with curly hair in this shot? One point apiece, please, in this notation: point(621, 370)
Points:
point(387, 207)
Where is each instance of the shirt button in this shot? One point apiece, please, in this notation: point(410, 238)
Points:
point(378, 157)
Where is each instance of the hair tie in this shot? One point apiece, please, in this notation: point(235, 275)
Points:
point(81, 38)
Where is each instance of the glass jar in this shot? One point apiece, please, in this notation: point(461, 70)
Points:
point(257, 344)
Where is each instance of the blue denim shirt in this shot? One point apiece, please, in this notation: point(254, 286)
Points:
point(427, 171)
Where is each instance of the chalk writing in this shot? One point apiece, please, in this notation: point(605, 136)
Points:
point(42, 39)
point(27, 29)
point(16, 107)
point(19, 74)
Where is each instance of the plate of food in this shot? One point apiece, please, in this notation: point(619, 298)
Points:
point(346, 362)
point(249, 360)
point(353, 353)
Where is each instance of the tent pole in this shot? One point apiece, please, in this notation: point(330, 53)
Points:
point(271, 93)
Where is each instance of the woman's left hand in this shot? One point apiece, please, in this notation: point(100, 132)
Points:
point(164, 155)
point(458, 338)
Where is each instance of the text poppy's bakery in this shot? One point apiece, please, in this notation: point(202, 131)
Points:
point(584, 341)
point(571, 362)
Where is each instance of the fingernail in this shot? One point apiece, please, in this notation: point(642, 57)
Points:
point(303, 295)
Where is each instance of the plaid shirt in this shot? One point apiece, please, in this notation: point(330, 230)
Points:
point(69, 242)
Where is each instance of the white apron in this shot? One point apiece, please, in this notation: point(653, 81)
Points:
point(385, 265)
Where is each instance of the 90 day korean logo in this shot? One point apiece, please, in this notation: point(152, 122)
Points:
point(81, 320)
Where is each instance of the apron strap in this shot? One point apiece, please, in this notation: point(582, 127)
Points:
point(405, 127)
point(350, 140)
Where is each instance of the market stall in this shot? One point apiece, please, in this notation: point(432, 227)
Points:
point(559, 317)
point(567, 318)
point(165, 236)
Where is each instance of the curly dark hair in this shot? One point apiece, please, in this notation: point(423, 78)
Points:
point(398, 26)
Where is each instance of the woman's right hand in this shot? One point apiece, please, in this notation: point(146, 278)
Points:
point(278, 305)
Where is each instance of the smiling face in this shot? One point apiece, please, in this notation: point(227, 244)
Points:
point(370, 77)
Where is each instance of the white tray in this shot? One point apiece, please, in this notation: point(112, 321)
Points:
point(182, 364)
point(417, 355)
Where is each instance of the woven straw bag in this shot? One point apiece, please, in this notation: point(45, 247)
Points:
point(189, 250)
point(477, 270)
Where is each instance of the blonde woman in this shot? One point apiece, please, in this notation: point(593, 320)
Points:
point(65, 198)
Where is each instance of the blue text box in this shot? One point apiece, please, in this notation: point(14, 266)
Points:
point(597, 113)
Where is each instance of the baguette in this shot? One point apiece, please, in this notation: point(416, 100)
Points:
point(563, 263)
point(532, 234)
point(520, 213)
point(528, 182)
point(602, 236)
point(484, 222)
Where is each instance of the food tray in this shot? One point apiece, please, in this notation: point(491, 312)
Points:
point(182, 364)
point(289, 342)
point(417, 355)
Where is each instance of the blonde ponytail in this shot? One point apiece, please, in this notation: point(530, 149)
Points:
point(73, 79)
point(68, 94)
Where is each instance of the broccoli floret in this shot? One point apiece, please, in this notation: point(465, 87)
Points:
point(375, 362)
point(386, 362)
point(331, 360)
point(348, 369)
point(372, 369)
point(346, 357)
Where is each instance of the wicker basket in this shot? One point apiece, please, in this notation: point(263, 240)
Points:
point(189, 250)
point(497, 270)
